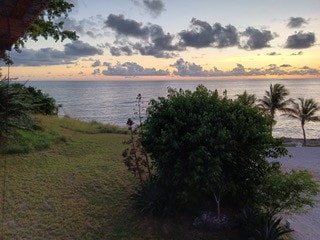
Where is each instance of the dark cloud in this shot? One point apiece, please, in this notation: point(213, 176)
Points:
point(126, 27)
point(85, 27)
point(305, 71)
point(257, 39)
point(273, 54)
point(225, 36)
point(297, 54)
point(119, 51)
point(155, 7)
point(153, 50)
point(44, 56)
point(301, 40)
point(159, 44)
point(155, 42)
point(296, 22)
point(97, 63)
point(202, 34)
point(184, 68)
point(132, 69)
point(49, 56)
point(79, 48)
point(96, 71)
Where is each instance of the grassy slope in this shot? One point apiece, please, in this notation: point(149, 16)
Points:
point(78, 189)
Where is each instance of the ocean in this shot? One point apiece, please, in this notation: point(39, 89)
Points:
point(113, 102)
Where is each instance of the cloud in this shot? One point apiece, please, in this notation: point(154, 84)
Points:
point(97, 63)
point(155, 7)
point(155, 42)
point(49, 56)
point(126, 27)
point(225, 37)
point(132, 69)
point(297, 54)
point(202, 35)
point(296, 22)
point(85, 27)
point(159, 44)
point(79, 48)
point(257, 39)
point(273, 54)
point(188, 69)
point(122, 50)
point(301, 40)
point(184, 68)
point(285, 65)
point(96, 71)
point(306, 71)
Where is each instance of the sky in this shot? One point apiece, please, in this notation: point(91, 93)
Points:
point(171, 39)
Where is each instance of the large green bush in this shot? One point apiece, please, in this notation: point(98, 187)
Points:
point(204, 146)
point(14, 111)
point(38, 101)
point(287, 192)
point(17, 102)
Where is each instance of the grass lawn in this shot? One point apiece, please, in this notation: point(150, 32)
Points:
point(77, 187)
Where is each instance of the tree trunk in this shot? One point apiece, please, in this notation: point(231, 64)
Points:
point(304, 134)
point(217, 198)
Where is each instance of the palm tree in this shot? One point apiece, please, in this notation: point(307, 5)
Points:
point(304, 110)
point(247, 99)
point(274, 100)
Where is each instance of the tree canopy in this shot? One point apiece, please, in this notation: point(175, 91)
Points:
point(50, 24)
point(203, 145)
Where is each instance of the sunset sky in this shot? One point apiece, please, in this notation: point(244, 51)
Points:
point(171, 39)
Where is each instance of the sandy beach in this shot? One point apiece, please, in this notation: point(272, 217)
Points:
point(306, 226)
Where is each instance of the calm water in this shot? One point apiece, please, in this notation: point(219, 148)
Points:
point(114, 101)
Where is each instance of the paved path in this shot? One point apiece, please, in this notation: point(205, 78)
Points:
point(306, 226)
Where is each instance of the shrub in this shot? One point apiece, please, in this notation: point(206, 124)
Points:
point(152, 198)
point(14, 111)
point(39, 102)
point(204, 146)
point(258, 225)
point(287, 192)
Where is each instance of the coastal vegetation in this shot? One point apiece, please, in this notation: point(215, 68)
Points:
point(209, 150)
point(305, 111)
point(17, 103)
point(200, 162)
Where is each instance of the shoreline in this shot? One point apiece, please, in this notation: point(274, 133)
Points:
point(298, 142)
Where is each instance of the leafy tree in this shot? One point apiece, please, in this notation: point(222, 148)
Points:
point(304, 110)
point(247, 99)
point(275, 99)
point(14, 111)
point(50, 24)
point(38, 101)
point(287, 192)
point(203, 146)
point(17, 102)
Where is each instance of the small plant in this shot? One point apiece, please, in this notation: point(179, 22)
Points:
point(135, 157)
point(259, 225)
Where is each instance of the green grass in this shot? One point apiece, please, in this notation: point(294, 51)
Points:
point(78, 188)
